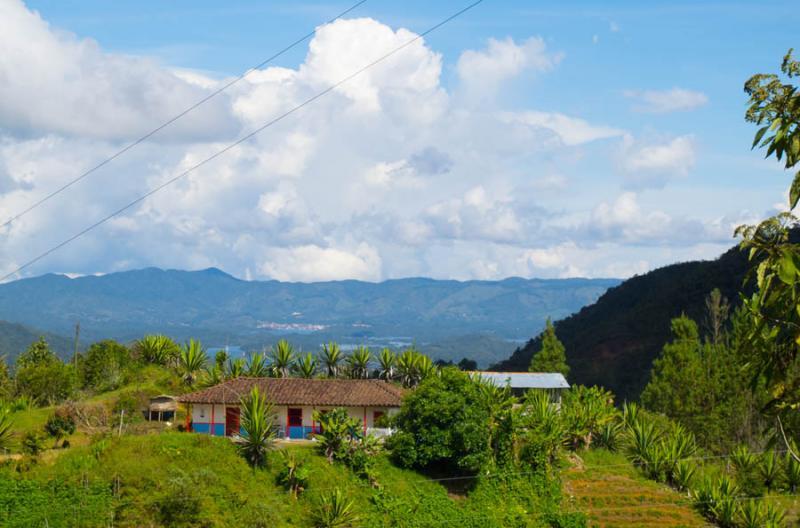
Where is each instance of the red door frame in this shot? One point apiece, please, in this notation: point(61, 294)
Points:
point(289, 418)
point(232, 419)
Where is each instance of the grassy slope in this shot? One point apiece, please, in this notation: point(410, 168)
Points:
point(613, 494)
point(185, 479)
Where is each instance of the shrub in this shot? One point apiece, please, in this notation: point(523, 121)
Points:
point(294, 474)
point(791, 472)
point(683, 474)
point(770, 469)
point(258, 416)
point(32, 443)
point(60, 425)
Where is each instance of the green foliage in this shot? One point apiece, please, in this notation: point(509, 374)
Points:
point(235, 368)
point(192, 361)
point(770, 469)
point(37, 353)
point(358, 363)
point(442, 424)
point(334, 510)
point(32, 443)
point(258, 417)
point(6, 423)
point(60, 425)
point(332, 358)
point(6, 384)
point(306, 366)
point(791, 470)
point(157, 349)
point(551, 357)
point(27, 503)
point(257, 365)
point(47, 381)
point(586, 410)
point(282, 359)
point(541, 430)
point(294, 474)
point(103, 366)
point(386, 364)
point(180, 503)
point(338, 428)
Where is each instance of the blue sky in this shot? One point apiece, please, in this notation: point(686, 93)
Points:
point(548, 140)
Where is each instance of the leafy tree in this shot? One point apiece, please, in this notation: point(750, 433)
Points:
point(717, 311)
point(306, 366)
point(37, 353)
point(103, 366)
point(468, 364)
point(6, 384)
point(552, 356)
point(443, 424)
point(358, 363)
point(193, 360)
point(774, 337)
point(258, 417)
point(386, 364)
point(331, 358)
point(47, 382)
point(337, 427)
point(282, 359)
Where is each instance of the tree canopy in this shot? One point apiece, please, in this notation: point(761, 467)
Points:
point(552, 356)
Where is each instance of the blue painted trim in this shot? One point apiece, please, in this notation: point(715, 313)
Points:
point(201, 427)
point(299, 433)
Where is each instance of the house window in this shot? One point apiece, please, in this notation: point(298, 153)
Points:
point(202, 412)
point(377, 415)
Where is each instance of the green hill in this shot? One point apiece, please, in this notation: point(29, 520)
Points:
point(613, 342)
point(15, 338)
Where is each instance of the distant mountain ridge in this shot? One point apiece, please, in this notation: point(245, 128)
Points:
point(613, 342)
point(14, 338)
point(220, 309)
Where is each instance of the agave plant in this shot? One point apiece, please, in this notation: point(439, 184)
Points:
point(386, 364)
point(542, 430)
point(5, 428)
point(334, 510)
point(751, 514)
point(235, 368)
point(683, 474)
point(214, 375)
point(725, 506)
point(306, 366)
point(608, 435)
point(774, 515)
point(742, 461)
point(358, 362)
point(791, 471)
point(407, 367)
point(705, 496)
point(282, 359)
point(630, 414)
point(679, 445)
point(770, 469)
point(258, 417)
point(257, 366)
point(331, 358)
point(192, 361)
point(642, 441)
point(157, 349)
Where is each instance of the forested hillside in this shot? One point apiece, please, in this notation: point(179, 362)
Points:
point(15, 338)
point(613, 342)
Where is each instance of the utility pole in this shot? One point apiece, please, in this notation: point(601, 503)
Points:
point(77, 340)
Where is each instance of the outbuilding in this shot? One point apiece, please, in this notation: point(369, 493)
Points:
point(521, 382)
point(162, 408)
point(217, 410)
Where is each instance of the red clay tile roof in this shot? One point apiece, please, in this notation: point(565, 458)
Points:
point(297, 391)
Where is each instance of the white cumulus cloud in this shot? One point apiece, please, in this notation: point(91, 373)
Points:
point(665, 101)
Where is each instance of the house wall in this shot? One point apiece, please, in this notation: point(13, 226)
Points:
point(202, 418)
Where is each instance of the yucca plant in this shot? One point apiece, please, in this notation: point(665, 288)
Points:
point(705, 496)
point(334, 510)
point(235, 368)
point(679, 445)
point(331, 358)
point(257, 365)
point(683, 475)
point(214, 375)
point(258, 417)
point(751, 514)
point(791, 470)
point(5, 428)
point(608, 436)
point(642, 441)
point(407, 370)
point(358, 363)
point(157, 349)
point(774, 516)
point(742, 461)
point(769, 469)
point(282, 359)
point(386, 364)
point(426, 367)
point(306, 366)
point(192, 361)
point(725, 507)
point(630, 414)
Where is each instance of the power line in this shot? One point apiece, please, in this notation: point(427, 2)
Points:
point(148, 135)
point(238, 142)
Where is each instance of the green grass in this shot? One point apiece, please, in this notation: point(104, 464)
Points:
point(180, 479)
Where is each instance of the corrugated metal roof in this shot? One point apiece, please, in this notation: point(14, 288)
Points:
point(525, 380)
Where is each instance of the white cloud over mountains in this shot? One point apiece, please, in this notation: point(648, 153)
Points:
point(389, 175)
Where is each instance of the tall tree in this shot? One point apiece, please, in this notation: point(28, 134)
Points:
point(42, 376)
point(774, 338)
point(552, 356)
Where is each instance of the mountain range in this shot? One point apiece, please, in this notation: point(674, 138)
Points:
point(482, 320)
point(613, 342)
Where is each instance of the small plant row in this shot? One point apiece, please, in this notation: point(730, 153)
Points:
point(663, 451)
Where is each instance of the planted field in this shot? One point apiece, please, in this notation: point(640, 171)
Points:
point(611, 493)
